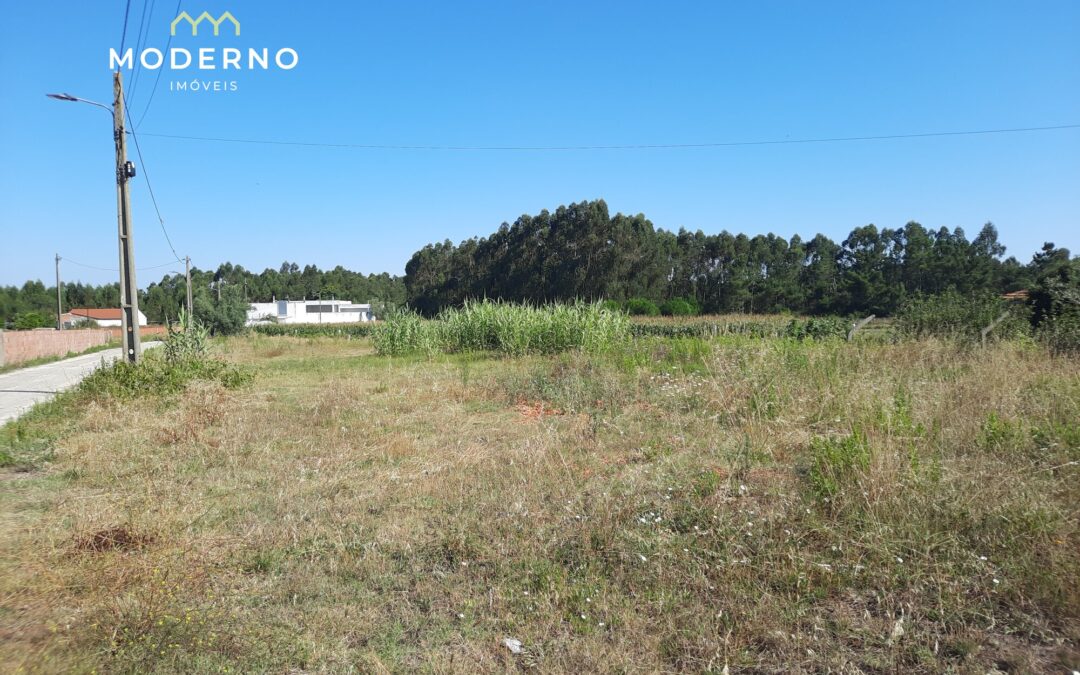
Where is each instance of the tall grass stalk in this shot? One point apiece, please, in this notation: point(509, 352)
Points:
point(505, 328)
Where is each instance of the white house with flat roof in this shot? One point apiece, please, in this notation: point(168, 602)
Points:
point(308, 311)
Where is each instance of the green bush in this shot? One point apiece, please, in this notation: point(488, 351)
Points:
point(224, 315)
point(642, 307)
point(155, 374)
point(1061, 332)
point(680, 307)
point(505, 328)
point(955, 315)
point(32, 320)
point(816, 328)
point(1055, 300)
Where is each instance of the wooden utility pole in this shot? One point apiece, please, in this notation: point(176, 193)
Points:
point(129, 290)
point(59, 305)
point(187, 273)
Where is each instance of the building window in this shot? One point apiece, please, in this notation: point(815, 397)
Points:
point(318, 309)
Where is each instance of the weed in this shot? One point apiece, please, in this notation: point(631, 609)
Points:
point(835, 462)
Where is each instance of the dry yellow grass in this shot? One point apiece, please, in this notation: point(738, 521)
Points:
point(350, 513)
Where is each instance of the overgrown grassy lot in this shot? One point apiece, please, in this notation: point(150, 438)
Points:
point(754, 505)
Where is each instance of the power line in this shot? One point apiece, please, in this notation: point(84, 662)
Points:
point(157, 78)
point(146, 175)
point(91, 267)
point(114, 269)
point(138, 46)
point(641, 146)
point(137, 71)
point(123, 36)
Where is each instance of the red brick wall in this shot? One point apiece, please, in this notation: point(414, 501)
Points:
point(143, 331)
point(17, 346)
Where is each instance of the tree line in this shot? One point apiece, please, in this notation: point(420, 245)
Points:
point(220, 296)
point(580, 251)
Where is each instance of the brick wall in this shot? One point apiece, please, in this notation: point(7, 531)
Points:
point(17, 346)
point(143, 331)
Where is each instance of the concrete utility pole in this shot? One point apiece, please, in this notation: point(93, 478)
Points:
point(129, 290)
point(187, 273)
point(59, 305)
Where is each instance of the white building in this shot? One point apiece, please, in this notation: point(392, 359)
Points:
point(308, 311)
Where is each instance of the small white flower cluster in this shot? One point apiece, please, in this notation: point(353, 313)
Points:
point(674, 386)
point(650, 518)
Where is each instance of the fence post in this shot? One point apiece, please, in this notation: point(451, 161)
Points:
point(993, 324)
point(857, 326)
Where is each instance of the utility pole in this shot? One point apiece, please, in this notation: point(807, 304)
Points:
point(187, 273)
point(59, 305)
point(129, 290)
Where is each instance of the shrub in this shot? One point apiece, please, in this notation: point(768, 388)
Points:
point(1055, 301)
point(156, 374)
point(956, 315)
point(1061, 333)
point(816, 328)
point(680, 307)
point(642, 307)
point(225, 315)
point(31, 320)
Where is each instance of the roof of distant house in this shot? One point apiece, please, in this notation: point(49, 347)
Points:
point(1016, 295)
point(97, 313)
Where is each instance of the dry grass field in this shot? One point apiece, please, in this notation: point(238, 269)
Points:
point(731, 505)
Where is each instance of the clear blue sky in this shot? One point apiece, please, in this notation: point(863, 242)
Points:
point(539, 74)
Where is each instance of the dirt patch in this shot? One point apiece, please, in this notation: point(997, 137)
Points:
point(536, 411)
point(116, 538)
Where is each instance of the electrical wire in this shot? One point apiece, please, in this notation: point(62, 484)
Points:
point(139, 43)
point(123, 36)
point(642, 146)
point(90, 267)
point(157, 78)
point(114, 269)
point(149, 186)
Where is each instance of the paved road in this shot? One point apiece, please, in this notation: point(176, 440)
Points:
point(21, 389)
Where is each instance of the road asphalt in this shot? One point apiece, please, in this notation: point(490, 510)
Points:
point(21, 389)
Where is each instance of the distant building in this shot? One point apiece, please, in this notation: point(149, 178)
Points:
point(308, 311)
point(1017, 296)
point(104, 317)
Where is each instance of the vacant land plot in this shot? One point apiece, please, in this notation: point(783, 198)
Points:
point(759, 505)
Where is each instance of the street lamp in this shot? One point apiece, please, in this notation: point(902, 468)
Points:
point(69, 97)
point(125, 170)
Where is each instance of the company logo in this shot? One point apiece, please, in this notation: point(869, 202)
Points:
point(180, 59)
point(184, 16)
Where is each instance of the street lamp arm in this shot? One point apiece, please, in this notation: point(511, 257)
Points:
point(69, 97)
